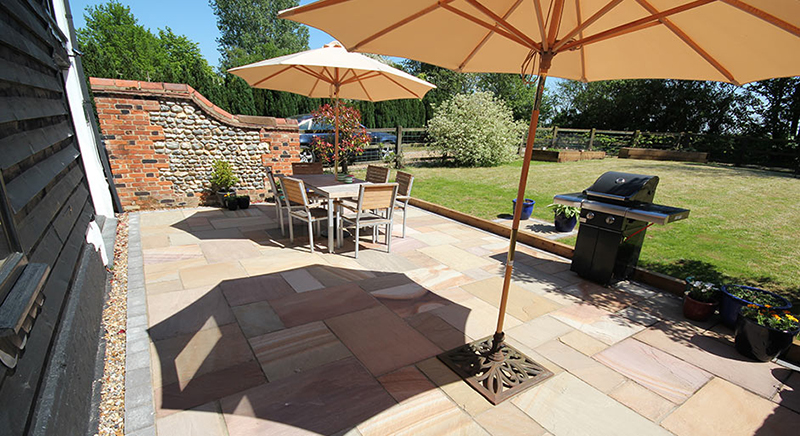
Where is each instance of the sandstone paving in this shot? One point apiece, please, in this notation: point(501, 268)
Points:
point(721, 407)
point(565, 405)
point(660, 372)
point(250, 334)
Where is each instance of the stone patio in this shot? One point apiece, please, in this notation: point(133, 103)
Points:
point(235, 331)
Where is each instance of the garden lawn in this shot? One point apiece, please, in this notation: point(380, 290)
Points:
point(742, 228)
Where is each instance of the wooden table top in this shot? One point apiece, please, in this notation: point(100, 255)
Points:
point(327, 185)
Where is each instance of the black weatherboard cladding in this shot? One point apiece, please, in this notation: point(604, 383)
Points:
point(49, 206)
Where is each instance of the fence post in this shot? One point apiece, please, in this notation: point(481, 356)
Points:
point(398, 147)
point(635, 137)
point(591, 138)
point(555, 133)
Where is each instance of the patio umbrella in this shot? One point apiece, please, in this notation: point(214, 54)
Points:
point(331, 71)
point(733, 41)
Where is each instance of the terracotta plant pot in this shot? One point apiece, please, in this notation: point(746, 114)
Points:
point(759, 342)
point(697, 310)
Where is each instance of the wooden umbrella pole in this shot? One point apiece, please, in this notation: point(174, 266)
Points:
point(523, 181)
point(336, 132)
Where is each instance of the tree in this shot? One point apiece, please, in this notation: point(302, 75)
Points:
point(777, 106)
point(517, 93)
point(476, 129)
point(448, 83)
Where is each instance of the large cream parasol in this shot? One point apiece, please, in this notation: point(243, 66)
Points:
point(731, 41)
point(331, 71)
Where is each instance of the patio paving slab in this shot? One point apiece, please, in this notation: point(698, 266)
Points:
point(538, 331)
point(409, 299)
point(207, 387)
point(321, 304)
point(324, 400)
point(187, 312)
point(707, 352)
point(642, 400)
point(565, 405)
point(171, 254)
point(257, 319)
point(789, 394)
point(723, 408)
point(506, 419)
point(583, 342)
point(456, 258)
point(438, 331)
point(301, 280)
point(211, 275)
point(474, 317)
point(381, 340)
point(248, 290)
point(205, 420)
point(226, 251)
point(654, 369)
point(455, 388)
point(290, 351)
point(523, 304)
point(405, 383)
point(182, 358)
point(585, 368)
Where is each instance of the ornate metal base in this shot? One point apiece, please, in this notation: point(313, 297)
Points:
point(495, 369)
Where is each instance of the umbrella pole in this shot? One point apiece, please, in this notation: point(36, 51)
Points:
point(495, 369)
point(336, 132)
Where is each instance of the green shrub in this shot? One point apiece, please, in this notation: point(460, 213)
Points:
point(222, 177)
point(476, 130)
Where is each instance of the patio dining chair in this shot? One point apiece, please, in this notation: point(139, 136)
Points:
point(374, 208)
point(280, 199)
point(300, 208)
point(305, 168)
point(377, 174)
point(404, 181)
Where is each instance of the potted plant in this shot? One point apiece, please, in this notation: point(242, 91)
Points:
point(762, 333)
point(734, 297)
point(527, 208)
point(222, 179)
point(700, 299)
point(243, 201)
point(231, 201)
point(564, 217)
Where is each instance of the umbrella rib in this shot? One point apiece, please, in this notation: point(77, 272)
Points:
point(557, 15)
point(310, 72)
point(271, 76)
point(503, 23)
point(752, 10)
point(486, 38)
point(361, 83)
point(633, 26)
point(582, 26)
point(400, 23)
point(540, 19)
point(491, 27)
point(690, 42)
point(400, 84)
point(580, 33)
point(358, 78)
point(309, 7)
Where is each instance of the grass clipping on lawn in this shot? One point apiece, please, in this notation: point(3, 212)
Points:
point(741, 228)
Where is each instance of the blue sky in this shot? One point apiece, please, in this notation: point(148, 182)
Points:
point(192, 18)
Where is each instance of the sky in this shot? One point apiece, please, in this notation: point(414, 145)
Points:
point(192, 18)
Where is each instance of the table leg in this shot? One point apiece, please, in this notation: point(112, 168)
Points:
point(330, 225)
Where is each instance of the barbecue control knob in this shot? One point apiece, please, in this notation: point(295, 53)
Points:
point(590, 215)
point(610, 220)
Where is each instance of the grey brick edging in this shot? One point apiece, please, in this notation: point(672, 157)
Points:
point(139, 408)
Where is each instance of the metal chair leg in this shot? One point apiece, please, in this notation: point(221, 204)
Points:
point(389, 237)
point(311, 236)
point(291, 228)
point(358, 229)
point(405, 214)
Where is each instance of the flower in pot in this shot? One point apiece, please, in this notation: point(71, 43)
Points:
point(762, 333)
point(734, 297)
point(231, 201)
point(700, 300)
point(243, 201)
point(565, 217)
point(222, 179)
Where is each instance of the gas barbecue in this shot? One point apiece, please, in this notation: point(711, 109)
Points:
point(615, 213)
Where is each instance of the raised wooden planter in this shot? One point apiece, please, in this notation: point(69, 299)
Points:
point(655, 154)
point(566, 155)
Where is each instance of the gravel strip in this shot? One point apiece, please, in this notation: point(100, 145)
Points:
point(112, 396)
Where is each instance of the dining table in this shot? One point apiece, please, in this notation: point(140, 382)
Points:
point(326, 186)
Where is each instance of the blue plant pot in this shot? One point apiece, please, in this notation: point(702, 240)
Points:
point(730, 305)
point(527, 208)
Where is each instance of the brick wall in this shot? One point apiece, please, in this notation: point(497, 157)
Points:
point(162, 138)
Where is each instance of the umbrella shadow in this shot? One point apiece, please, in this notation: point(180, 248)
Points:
point(323, 360)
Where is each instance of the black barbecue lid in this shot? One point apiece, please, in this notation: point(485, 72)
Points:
point(623, 186)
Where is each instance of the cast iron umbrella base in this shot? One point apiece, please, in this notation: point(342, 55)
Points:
point(495, 369)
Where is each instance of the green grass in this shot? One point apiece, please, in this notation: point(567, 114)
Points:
point(742, 227)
